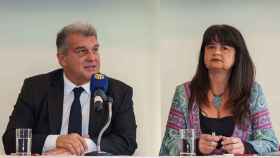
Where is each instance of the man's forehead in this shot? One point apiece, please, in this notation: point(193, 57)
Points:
point(80, 35)
point(81, 39)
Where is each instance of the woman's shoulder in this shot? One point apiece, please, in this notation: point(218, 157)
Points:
point(256, 90)
point(181, 96)
point(256, 86)
point(183, 88)
point(257, 98)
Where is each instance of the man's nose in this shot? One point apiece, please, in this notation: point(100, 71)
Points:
point(92, 55)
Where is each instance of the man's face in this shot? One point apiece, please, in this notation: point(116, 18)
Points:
point(82, 59)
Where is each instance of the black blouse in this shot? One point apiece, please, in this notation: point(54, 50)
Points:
point(221, 126)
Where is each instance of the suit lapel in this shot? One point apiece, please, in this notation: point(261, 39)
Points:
point(55, 102)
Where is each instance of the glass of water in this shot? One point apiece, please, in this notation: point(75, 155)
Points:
point(23, 141)
point(187, 142)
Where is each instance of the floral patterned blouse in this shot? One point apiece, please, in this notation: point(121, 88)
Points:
point(256, 130)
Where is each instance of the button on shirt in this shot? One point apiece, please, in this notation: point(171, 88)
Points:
point(50, 142)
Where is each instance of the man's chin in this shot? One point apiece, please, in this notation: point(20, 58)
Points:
point(89, 74)
point(91, 71)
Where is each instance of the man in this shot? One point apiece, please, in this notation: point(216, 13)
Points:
point(46, 103)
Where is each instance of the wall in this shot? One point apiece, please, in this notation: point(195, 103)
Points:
point(151, 45)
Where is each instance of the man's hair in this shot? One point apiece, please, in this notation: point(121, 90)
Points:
point(84, 29)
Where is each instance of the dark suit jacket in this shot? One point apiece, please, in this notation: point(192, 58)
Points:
point(39, 106)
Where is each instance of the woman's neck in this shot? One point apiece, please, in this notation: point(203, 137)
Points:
point(218, 82)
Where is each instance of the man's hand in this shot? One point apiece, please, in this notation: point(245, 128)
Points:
point(208, 143)
point(74, 143)
point(233, 145)
point(57, 151)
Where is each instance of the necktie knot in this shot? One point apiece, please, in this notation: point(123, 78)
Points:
point(78, 91)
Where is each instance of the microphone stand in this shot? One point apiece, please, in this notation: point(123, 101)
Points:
point(99, 152)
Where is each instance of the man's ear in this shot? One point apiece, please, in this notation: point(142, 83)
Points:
point(61, 59)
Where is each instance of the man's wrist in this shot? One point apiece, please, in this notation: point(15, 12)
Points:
point(50, 143)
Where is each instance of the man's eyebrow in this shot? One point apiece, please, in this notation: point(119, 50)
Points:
point(83, 47)
point(80, 47)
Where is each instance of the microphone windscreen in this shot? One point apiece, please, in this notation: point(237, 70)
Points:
point(99, 81)
point(101, 94)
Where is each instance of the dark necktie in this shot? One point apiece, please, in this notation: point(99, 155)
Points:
point(75, 118)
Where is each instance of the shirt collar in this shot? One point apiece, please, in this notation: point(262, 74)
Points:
point(69, 86)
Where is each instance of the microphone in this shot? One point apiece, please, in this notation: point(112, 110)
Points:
point(99, 87)
point(99, 98)
point(99, 152)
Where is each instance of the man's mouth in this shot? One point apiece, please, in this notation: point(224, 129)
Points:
point(89, 67)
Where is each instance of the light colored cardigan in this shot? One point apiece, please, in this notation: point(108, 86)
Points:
point(256, 130)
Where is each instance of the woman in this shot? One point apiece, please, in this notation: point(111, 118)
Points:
point(222, 102)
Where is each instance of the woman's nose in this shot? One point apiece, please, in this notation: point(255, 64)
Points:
point(218, 51)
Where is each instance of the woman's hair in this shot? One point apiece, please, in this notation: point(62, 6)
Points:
point(242, 72)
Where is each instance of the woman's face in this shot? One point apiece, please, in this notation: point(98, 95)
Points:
point(219, 57)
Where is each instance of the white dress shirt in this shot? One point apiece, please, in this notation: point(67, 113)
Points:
point(50, 142)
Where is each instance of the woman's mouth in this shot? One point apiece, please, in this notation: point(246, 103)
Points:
point(216, 60)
